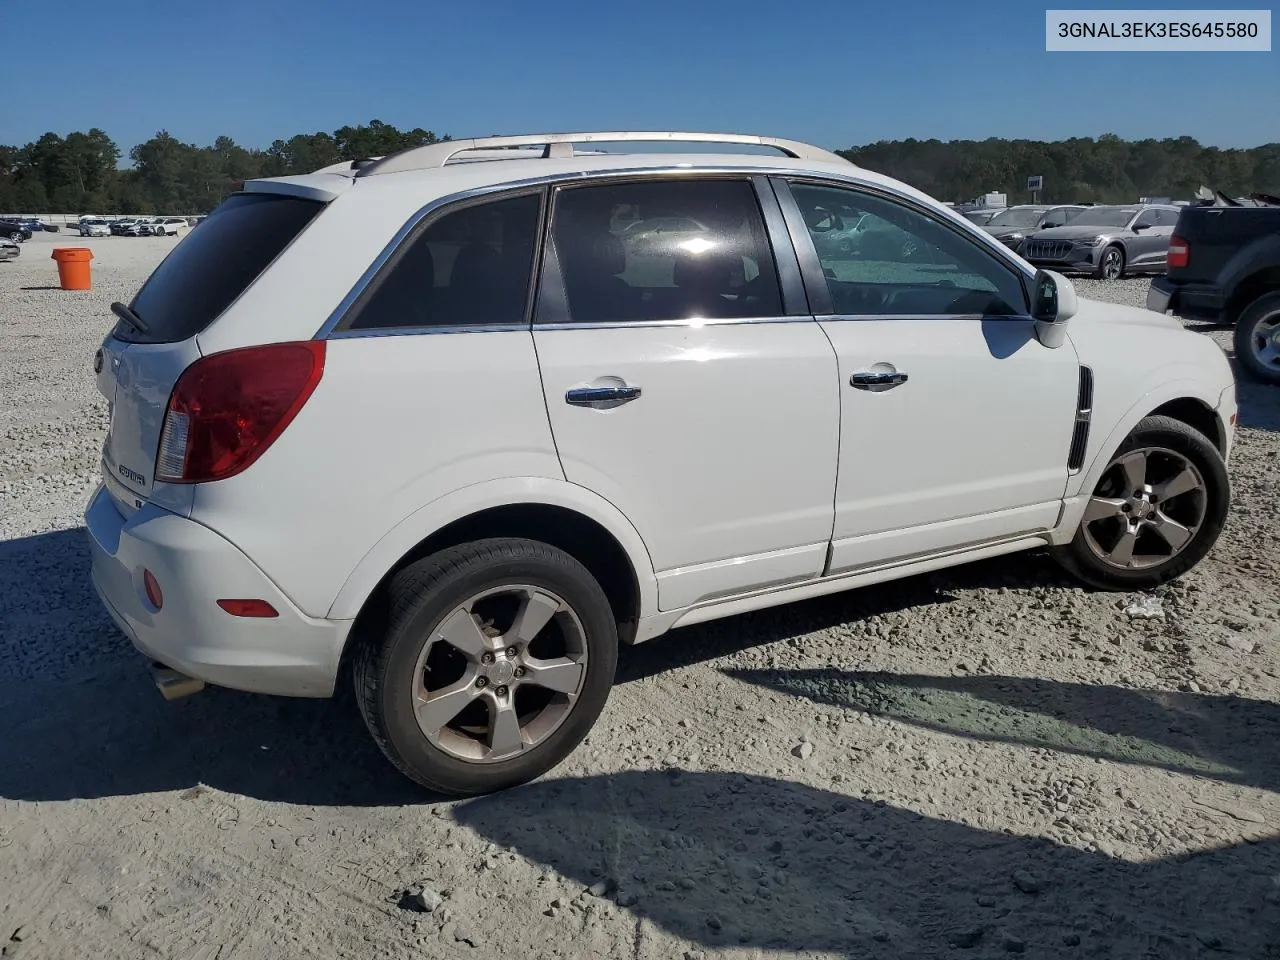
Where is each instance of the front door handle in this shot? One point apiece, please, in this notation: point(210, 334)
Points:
point(601, 397)
point(872, 379)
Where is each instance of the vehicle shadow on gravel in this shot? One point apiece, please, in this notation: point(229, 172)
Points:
point(1228, 738)
point(720, 638)
point(725, 859)
point(81, 718)
point(1259, 404)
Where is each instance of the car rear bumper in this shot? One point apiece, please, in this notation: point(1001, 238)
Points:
point(1195, 301)
point(289, 655)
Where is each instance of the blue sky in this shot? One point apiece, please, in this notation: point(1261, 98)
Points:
point(834, 72)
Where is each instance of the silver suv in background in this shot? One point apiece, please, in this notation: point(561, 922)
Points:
point(1106, 241)
point(1014, 224)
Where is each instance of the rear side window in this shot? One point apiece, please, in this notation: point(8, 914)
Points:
point(469, 267)
point(664, 250)
point(215, 264)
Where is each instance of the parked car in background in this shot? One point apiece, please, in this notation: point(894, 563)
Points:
point(94, 228)
point(737, 422)
point(1223, 267)
point(15, 231)
point(8, 249)
point(169, 226)
point(980, 217)
point(120, 226)
point(1107, 241)
point(1014, 224)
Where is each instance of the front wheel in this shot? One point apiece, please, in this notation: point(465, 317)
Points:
point(496, 659)
point(1111, 266)
point(17, 236)
point(1156, 511)
point(1257, 338)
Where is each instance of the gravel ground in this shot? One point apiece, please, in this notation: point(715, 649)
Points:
point(976, 763)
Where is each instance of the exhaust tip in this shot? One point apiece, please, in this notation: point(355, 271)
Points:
point(172, 684)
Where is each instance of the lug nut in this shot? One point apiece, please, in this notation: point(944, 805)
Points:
point(481, 682)
point(486, 658)
point(519, 672)
point(511, 651)
point(1125, 507)
point(501, 691)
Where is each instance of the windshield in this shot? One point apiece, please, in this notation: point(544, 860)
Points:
point(1102, 217)
point(1016, 218)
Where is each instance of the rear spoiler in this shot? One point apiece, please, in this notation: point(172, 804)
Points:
point(323, 186)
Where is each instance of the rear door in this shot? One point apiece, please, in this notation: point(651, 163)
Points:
point(1150, 240)
point(192, 286)
point(686, 382)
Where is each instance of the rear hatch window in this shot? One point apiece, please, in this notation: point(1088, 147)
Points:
point(213, 265)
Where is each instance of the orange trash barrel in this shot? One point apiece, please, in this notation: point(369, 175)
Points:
point(73, 267)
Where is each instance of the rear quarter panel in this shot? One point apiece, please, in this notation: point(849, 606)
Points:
point(397, 422)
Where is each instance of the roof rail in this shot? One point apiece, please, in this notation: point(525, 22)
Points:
point(561, 145)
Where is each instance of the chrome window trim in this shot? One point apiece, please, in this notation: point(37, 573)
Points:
point(691, 322)
point(326, 330)
point(421, 331)
point(920, 317)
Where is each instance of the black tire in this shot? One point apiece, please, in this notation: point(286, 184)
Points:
point(1080, 559)
point(423, 593)
point(1113, 254)
point(1263, 312)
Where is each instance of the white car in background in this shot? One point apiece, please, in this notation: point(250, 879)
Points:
point(428, 416)
point(94, 228)
point(169, 226)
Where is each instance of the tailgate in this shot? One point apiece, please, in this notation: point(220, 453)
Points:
point(136, 379)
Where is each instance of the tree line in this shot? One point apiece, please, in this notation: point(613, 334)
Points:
point(81, 173)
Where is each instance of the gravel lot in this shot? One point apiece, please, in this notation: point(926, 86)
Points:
point(977, 763)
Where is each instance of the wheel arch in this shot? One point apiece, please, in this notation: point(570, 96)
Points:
point(564, 515)
point(1249, 289)
point(1182, 398)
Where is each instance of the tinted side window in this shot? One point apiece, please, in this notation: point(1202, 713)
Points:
point(469, 266)
point(1166, 218)
point(1056, 218)
point(215, 264)
point(1146, 219)
point(883, 257)
point(664, 250)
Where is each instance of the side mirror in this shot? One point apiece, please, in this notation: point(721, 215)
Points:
point(1053, 303)
point(1139, 227)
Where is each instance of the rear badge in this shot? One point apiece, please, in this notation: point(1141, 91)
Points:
point(132, 475)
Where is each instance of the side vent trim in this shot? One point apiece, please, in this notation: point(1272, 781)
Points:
point(1084, 413)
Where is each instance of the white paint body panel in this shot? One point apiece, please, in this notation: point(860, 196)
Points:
point(972, 447)
point(395, 424)
point(748, 474)
point(725, 464)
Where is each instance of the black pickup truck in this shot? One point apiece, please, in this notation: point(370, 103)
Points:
point(1224, 268)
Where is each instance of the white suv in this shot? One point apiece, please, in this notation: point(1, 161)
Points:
point(168, 226)
point(436, 417)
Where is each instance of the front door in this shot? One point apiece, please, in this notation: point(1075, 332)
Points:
point(956, 422)
point(682, 389)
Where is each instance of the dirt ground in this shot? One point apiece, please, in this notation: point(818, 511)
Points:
point(983, 762)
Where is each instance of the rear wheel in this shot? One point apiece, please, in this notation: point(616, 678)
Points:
point(1111, 266)
point(1155, 512)
point(496, 660)
point(17, 236)
point(1257, 338)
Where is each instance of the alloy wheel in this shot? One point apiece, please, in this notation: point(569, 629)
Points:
point(1146, 510)
point(499, 673)
point(1111, 261)
point(1264, 339)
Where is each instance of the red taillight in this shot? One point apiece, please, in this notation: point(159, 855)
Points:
point(1179, 254)
point(152, 587)
point(248, 608)
point(227, 408)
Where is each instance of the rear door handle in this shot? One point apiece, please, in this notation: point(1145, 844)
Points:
point(601, 397)
point(871, 379)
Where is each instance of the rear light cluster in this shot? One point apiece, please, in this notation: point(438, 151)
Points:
point(1179, 254)
point(227, 408)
